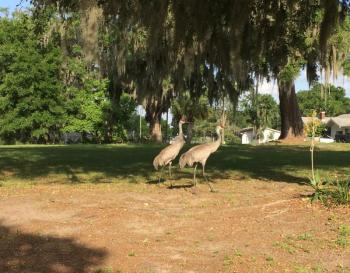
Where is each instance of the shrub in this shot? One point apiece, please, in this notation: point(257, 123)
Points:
point(320, 128)
point(330, 192)
point(232, 139)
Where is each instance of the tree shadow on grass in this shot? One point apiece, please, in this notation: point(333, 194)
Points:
point(30, 253)
point(133, 163)
point(280, 163)
point(75, 162)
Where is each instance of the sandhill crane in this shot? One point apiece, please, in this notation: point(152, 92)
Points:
point(199, 154)
point(169, 153)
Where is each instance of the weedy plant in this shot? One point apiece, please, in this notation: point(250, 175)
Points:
point(342, 192)
point(320, 188)
point(318, 185)
point(336, 192)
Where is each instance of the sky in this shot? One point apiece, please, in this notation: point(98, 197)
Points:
point(265, 88)
point(11, 4)
point(302, 84)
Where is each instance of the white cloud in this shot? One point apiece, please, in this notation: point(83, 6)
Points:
point(270, 87)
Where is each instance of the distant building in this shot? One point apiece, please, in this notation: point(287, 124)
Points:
point(72, 138)
point(248, 135)
point(338, 128)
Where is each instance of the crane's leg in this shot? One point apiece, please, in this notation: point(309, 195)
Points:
point(206, 178)
point(194, 174)
point(171, 182)
point(170, 169)
point(160, 175)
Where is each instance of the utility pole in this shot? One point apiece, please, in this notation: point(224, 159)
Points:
point(140, 132)
point(223, 120)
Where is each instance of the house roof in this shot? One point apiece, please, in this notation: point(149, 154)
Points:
point(308, 119)
point(246, 129)
point(340, 121)
point(251, 129)
point(273, 130)
point(326, 119)
point(344, 116)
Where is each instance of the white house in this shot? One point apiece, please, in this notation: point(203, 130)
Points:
point(338, 127)
point(248, 135)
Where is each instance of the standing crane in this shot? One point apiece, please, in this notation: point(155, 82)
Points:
point(200, 154)
point(169, 153)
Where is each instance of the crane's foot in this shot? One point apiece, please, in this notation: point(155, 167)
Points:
point(170, 185)
point(194, 183)
point(212, 189)
point(210, 186)
point(160, 180)
point(194, 190)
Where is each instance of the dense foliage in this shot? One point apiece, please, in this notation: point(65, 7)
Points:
point(328, 98)
point(47, 90)
point(260, 110)
point(31, 101)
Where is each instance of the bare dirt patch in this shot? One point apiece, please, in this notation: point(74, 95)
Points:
point(246, 226)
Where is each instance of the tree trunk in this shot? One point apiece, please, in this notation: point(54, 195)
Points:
point(291, 122)
point(156, 128)
point(154, 107)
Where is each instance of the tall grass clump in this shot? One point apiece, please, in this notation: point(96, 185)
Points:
point(328, 191)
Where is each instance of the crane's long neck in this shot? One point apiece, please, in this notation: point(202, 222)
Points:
point(217, 142)
point(180, 129)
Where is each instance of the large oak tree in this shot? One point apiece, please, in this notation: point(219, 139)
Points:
point(196, 40)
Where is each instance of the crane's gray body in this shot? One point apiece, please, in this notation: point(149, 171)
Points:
point(169, 153)
point(200, 153)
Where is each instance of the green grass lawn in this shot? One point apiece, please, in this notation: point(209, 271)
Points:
point(133, 163)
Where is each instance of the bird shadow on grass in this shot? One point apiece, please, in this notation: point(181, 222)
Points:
point(167, 182)
point(25, 252)
point(155, 181)
point(173, 182)
point(180, 186)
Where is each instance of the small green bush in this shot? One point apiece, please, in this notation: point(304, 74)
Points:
point(232, 139)
point(330, 192)
point(342, 192)
point(319, 127)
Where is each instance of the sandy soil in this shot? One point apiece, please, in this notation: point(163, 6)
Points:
point(246, 226)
